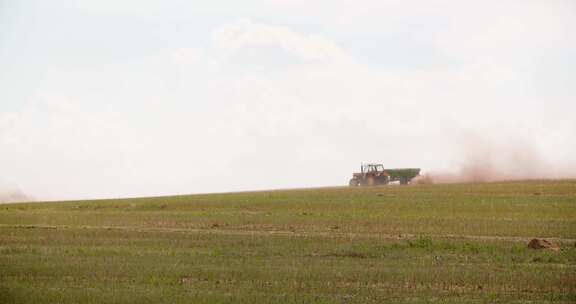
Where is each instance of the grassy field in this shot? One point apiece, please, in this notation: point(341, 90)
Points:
point(419, 243)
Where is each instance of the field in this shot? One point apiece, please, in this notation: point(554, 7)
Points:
point(459, 243)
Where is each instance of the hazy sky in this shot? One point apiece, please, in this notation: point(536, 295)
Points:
point(102, 98)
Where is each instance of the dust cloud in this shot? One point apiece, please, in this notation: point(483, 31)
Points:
point(13, 196)
point(485, 161)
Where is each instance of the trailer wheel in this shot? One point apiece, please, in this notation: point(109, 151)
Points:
point(353, 183)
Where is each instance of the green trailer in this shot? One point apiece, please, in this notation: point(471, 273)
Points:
point(376, 174)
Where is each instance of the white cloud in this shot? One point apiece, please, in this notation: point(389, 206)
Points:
point(245, 33)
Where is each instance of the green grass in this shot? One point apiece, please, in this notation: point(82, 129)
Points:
point(414, 244)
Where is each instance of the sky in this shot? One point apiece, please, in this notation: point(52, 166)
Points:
point(106, 99)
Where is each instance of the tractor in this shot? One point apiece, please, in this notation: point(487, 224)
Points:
point(376, 174)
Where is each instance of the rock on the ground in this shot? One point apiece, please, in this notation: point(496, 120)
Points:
point(540, 244)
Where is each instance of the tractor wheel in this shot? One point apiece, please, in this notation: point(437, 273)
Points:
point(370, 181)
point(354, 183)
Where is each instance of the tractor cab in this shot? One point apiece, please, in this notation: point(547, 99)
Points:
point(372, 168)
